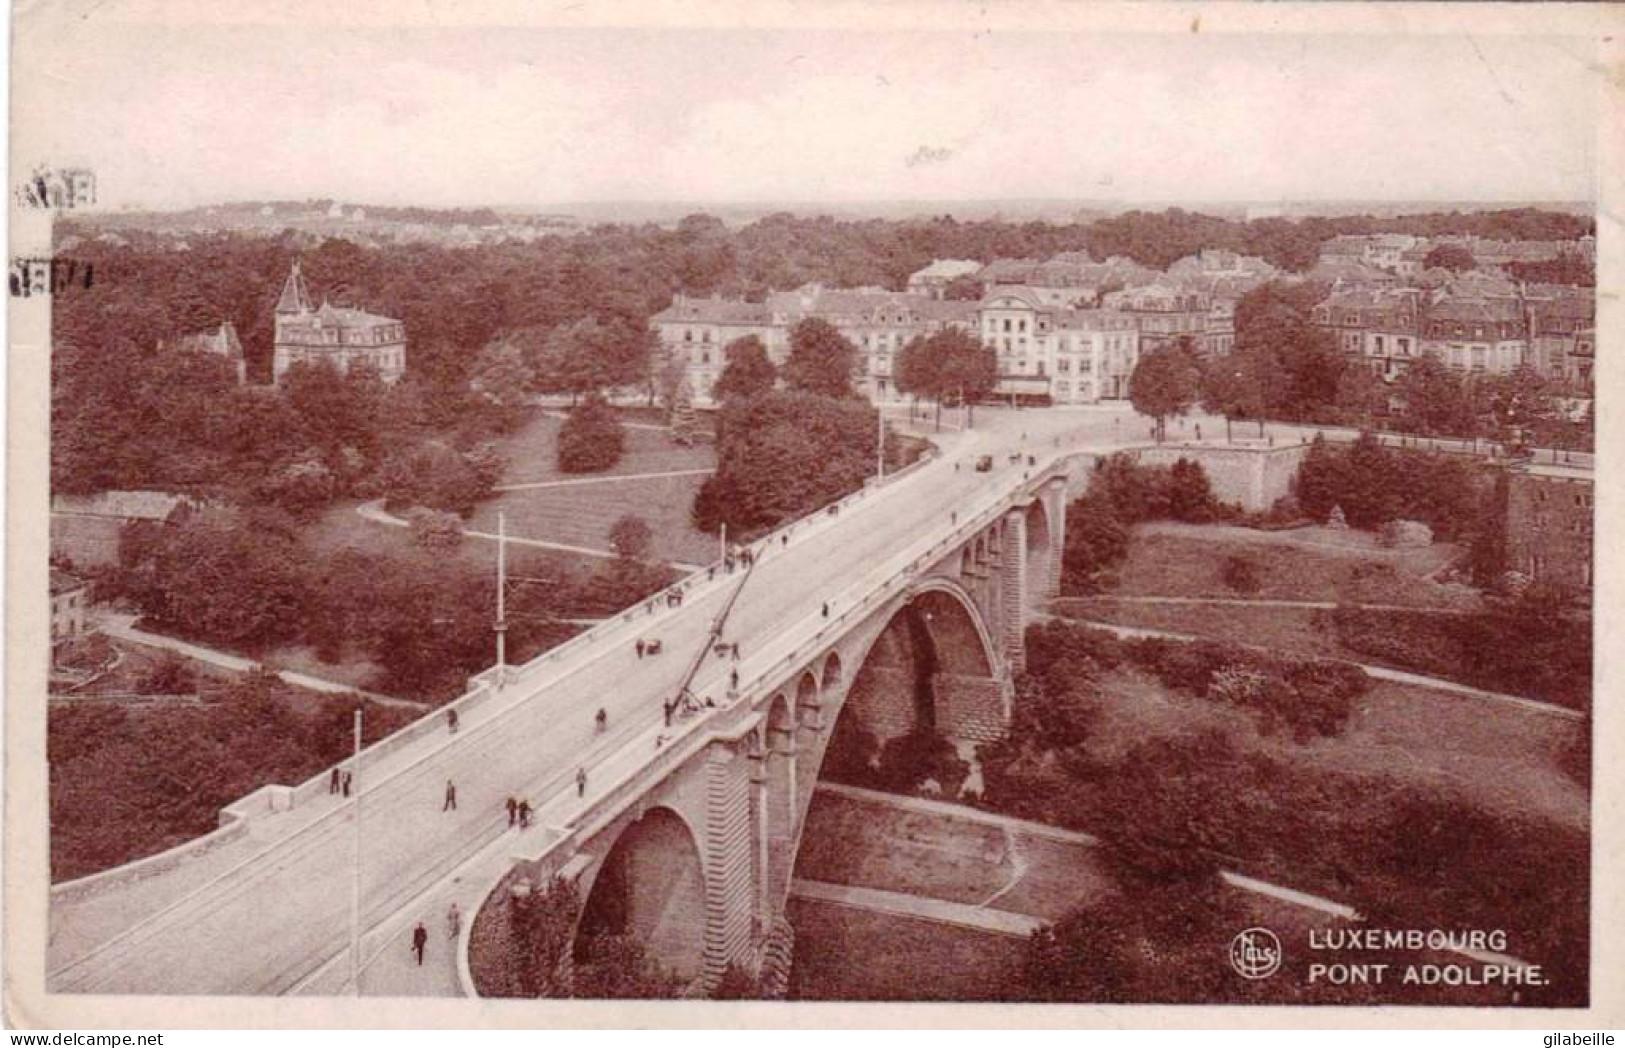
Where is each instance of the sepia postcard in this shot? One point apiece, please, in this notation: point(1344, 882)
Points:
point(789, 514)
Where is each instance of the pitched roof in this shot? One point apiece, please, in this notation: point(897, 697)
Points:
point(948, 268)
point(295, 296)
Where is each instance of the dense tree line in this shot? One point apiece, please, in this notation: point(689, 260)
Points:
point(1375, 484)
point(246, 580)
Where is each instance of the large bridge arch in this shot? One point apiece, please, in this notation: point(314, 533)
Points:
point(1040, 552)
point(650, 887)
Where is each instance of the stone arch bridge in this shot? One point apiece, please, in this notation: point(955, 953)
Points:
point(904, 605)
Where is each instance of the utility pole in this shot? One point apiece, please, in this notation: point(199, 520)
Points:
point(355, 887)
point(880, 445)
point(502, 603)
point(722, 542)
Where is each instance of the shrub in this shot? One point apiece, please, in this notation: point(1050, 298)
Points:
point(437, 532)
point(592, 438)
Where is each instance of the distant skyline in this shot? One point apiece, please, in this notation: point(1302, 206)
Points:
point(470, 117)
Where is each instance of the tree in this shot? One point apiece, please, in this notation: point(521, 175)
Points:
point(684, 423)
point(1453, 257)
point(1240, 385)
point(821, 360)
point(948, 364)
point(1436, 400)
point(1299, 361)
point(500, 375)
point(1096, 540)
point(630, 537)
point(1361, 395)
point(1164, 383)
point(749, 372)
point(782, 455)
point(586, 355)
point(592, 437)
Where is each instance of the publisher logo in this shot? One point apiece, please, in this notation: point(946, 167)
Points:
point(1255, 953)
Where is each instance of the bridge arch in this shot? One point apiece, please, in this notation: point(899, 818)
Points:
point(1040, 551)
point(934, 638)
point(650, 887)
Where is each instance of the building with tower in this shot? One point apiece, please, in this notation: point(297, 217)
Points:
point(342, 336)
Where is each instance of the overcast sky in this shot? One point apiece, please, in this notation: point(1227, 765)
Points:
point(475, 116)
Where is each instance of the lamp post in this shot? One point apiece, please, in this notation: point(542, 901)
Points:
point(880, 443)
point(355, 885)
point(502, 603)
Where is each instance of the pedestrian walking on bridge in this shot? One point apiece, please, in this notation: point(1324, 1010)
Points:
point(345, 788)
point(640, 646)
point(581, 782)
point(420, 939)
point(451, 797)
point(334, 781)
point(524, 815)
point(454, 921)
point(513, 811)
point(451, 721)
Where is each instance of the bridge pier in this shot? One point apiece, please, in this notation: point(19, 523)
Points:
point(727, 861)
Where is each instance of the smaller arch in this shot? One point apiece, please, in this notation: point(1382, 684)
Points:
point(832, 674)
point(807, 689)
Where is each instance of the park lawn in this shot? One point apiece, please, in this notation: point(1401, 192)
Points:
point(843, 954)
point(1166, 559)
point(1501, 757)
point(1281, 631)
point(582, 515)
point(532, 452)
point(865, 844)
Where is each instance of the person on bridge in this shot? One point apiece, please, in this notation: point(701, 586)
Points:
point(733, 680)
point(513, 811)
point(454, 921)
point(524, 815)
point(581, 782)
point(420, 939)
point(825, 610)
point(451, 721)
point(640, 646)
point(345, 786)
point(335, 781)
point(602, 720)
point(451, 797)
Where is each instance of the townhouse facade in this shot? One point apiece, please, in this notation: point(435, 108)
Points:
point(1474, 324)
point(1044, 351)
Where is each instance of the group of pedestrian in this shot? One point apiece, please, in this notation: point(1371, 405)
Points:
point(339, 781)
point(519, 812)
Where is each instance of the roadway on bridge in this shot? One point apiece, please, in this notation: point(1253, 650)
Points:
point(281, 912)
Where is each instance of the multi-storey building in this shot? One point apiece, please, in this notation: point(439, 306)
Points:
point(1381, 327)
point(1549, 524)
point(1581, 365)
point(1167, 315)
point(1476, 336)
point(1075, 356)
point(697, 330)
point(338, 335)
point(1043, 351)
